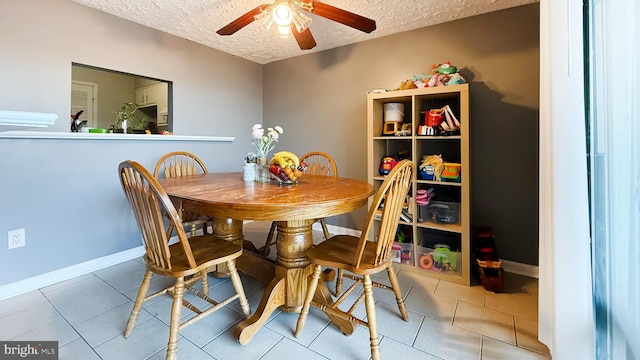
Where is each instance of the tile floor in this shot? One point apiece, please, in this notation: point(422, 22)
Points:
point(87, 316)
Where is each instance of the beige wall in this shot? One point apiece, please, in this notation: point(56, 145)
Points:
point(320, 100)
point(66, 193)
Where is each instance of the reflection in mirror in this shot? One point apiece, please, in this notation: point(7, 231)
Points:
point(105, 100)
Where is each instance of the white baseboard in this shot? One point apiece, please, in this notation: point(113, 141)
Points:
point(520, 268)
point(50, 278)
point(333, 229)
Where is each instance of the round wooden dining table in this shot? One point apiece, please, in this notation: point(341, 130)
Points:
point(294, 208)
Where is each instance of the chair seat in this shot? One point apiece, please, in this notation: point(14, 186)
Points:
point(208, 250)
point(339, 252)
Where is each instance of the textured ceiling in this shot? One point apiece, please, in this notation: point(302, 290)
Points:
point(198, 21)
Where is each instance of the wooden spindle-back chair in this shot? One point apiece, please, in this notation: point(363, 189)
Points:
point(363, 257)
point(186, 258)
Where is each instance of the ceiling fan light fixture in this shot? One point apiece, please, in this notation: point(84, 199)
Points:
point(301, 21)
point(284, 31)
point(282, 14)
point(265, 16)
point(289, 13)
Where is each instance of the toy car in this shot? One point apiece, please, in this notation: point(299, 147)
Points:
point(387, 164)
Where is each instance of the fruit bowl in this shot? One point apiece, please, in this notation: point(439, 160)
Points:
point(283, 182)
point(286, 168)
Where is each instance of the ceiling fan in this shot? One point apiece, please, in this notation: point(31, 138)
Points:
point(290, 18)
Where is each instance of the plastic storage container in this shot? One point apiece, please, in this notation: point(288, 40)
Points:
point(438, 260)
point(393, 112)
point(402, 253)
point(440, 212)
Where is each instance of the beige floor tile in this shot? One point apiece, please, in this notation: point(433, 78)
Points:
point(28, 319)
point(57, 330)
point(434, 306)
point(527, 335)
point(471, 294)
point(77, 350)
point(518, 284)
point(287, 349)
point(186, 350)
point(21, 302)
point(417, 280)
point(448, 342)
point(74, 291)
point(520, 304)
point(227, 347)
point(332, 344)
point(493, 349)
point(485, 321)
point(390, 324)
point(146, 339)
point(392, 349)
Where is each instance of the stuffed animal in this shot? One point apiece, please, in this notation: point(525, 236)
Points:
point(443, 74)
point(455, 79)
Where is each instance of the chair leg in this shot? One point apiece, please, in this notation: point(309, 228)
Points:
point(135, 312)
point(311, 290)
point(371, 317)
point(174, 324)
point(237, 285)
point(339, 282)
point(393, 279)
point(324, 229)
point(270, 240)
point(204, 280)
point(338, 288)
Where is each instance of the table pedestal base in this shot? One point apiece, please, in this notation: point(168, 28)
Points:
point(287, 279)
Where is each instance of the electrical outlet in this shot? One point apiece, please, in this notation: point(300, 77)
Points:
point(16, 238)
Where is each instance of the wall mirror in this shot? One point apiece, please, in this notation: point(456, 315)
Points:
point(104, 100)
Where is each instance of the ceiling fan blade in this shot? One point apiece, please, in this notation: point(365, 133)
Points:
point(305, 39)
point(342, 16)
point(242, 21)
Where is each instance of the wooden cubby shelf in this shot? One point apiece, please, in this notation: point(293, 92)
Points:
point(436, 242)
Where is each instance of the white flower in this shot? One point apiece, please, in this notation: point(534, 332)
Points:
point(273, 134)
point(264, 143)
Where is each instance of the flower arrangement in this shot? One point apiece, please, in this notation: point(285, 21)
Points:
point(265, 142)
point(126, 114)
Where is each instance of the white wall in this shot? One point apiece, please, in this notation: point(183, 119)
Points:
point(565, 302)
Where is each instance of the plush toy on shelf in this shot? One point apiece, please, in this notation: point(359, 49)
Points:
point(442, 75)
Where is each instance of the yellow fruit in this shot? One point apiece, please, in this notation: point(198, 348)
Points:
point(289, 155)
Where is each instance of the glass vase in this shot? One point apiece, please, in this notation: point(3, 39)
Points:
point(262, 170)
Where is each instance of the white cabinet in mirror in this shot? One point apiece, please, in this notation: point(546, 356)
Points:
point(101, 93)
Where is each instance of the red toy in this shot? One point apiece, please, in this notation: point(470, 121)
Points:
point(387, 164)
